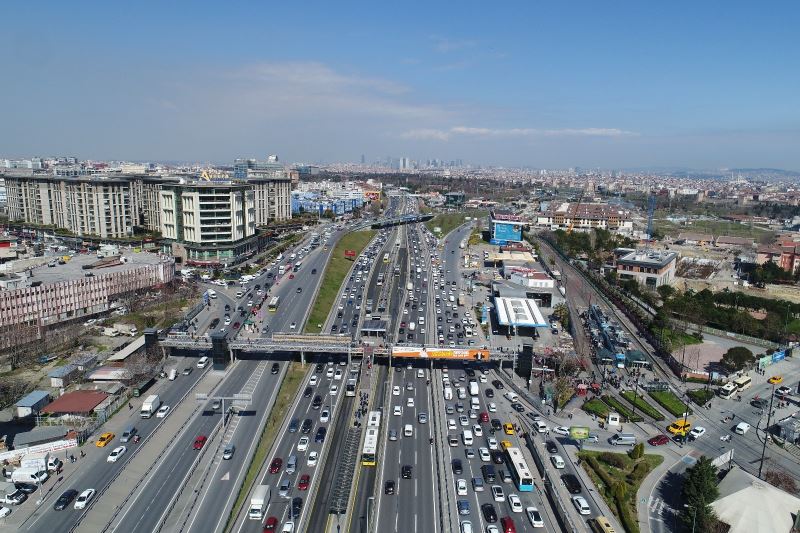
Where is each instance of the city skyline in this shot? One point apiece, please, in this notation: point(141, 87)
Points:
point(549, 87)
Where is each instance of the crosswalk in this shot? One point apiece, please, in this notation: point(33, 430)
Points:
point(659, 509)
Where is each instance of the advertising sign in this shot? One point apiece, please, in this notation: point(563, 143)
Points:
point(579, 432)
point(506, 232)
point(350, 254)
point(441, 353)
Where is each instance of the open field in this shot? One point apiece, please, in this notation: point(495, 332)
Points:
point(335, 272)
point(716, 228)
point(450, 221)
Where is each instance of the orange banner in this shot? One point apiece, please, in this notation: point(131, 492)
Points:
point(441, 353)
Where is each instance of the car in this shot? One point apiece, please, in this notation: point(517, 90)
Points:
point(581, 505)
point(551, 447)
point(489, 513)
point(293, 325)
point(65, 499)
point(593, 437)
point(26, 488)
point(658, 440)
point(104, 439)
point(457, 468)
point(320, 436)
point(783, 391)
point(515, 503)
point(297, 506)
point(312, 459)
point(84, 498)
point(469, 453)
point(299, 290)
point(498, 494)
point(313, 381)
point(422, 418)
point(116, 453)
point(388, 487)
point(317, 402)
point(324, 416)
point(271, 525)
point(162, 411)
point(571, 483)
point(228, 451)
point(334, 390)
point(759, 403)
point(199, 442)
point(492, 407)
point(697, 432)
point(410, 402)
point(463, 420)
point(466, 527)
point(275, 368)
point(406, 471)
point(304, 481)
point(561, 430)
point(534, 517)
point(275, 465)
point(285, 487)
point(396, 390)
point(461, 487)
point(302, 444)
point(398, 410)
point(392, 434)
point(187, 371)
point(484, 455)
point(492, 442)
point(774, 380)
point(680, 427)
point(497, 457)
point(305, 429)
point(489, 393)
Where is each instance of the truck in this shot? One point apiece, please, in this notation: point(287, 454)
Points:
point(258, 502)
point(448, 393)
point(110, 332)
point(33, 475)
point(461, 299)
point(10, 494)
point(412, 326)
point(473, 388)
point(150, 406)
point(126, 329)
point(409, 286)
point(41, 461)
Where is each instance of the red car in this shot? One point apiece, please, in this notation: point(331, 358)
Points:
point(291, 276)
point(236, 325)
point(304, 481)
point(275, 465)
point(658, 440)
point(199, 442)
point(484, 417)
point(271, 525)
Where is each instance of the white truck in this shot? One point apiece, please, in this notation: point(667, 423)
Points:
point(412, 326)
point(126, 329)
point(29, 475)
point(258, 502)
point(110, 332)
point(409, 286)
point(473, 388)
point(41, 461)
point(150, 406)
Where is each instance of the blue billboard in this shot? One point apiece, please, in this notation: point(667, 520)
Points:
point(505, 232)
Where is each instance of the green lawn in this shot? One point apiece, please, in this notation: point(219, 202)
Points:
point(335, 272)
point(596, 406)
point(675, 340)
point(617, 478)
point(669, 401)
point(286, 394)
point(450, 221)
point(642, 405)
point(622, 409)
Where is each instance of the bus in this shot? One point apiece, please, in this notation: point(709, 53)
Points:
point(370, 451)
point(386, 257)
point(298, 265)
point(350, 388)
point(728, 391)
point(743, 382)
point(274, 303)
point(374, 419)
point(601, 524)
point(519, 470)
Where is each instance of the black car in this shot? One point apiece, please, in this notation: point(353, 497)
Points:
point(572, 483)
point(498, 384)
point(470, 372)
point(457, 467)
point(318, 369)
point(760, 403)
point(406, 472)
point(307, 393)
point(518, 407)
point(496, 424)
point(320, 436)
point(490, 393)
point(65, 499)
point(551, 447)
point(489, 514)
point(313, 270)
point(293, 425)
point(275, 368)
point(388, 487)
point(27, 488)
point(317, 402)
point(497, 457)
point(307, 425)
point(299, 290)
point(297, 507)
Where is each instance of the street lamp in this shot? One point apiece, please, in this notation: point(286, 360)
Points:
point(774, 380)
point(694, 513)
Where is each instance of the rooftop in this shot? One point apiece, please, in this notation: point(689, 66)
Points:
point(747, 503)
point(649, 258)
point(519, 312)
point(39, 434)
point(74, 268)
point(32, 398)
point(77, 402)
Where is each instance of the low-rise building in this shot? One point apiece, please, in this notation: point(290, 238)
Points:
point(651, 268)
point(32, 403)
point(725, 241)
point(696, 239)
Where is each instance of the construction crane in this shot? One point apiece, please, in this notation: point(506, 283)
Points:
point(577, 208)
point(651, 208)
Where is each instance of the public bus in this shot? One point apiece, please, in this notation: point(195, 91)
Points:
point(370, 451)
point(298, 265)
point(743, 382)
point(728, 391)
point(386, 257)
point(374, 419)
point(274, 303)
point(519, 470)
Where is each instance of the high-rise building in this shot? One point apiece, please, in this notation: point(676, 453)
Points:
point(270, 166)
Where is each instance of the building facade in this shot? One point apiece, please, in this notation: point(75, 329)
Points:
point(272, 197)
point(585, 216)
point(651, 268)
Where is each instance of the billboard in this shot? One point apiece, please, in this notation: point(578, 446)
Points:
point(441, 353)
point(350, 254)
point(506, 232)
point(579, 432)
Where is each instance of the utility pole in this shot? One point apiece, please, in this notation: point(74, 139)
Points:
point(766, 429)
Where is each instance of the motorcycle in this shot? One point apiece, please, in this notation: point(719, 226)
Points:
point(725, 438)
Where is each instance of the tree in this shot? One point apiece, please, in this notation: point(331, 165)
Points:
point(782, 480)
point(562, 313)
point(699, 490)
point(737, 358)
point(665, 292)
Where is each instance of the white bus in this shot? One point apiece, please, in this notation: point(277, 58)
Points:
point(519, 470)
point(743, 382)
point(728, 391)
point(370, 450)
point(274, 303)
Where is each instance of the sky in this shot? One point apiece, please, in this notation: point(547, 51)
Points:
point(701, 85)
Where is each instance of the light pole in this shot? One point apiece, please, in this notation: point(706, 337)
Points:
point(773, 381)
point(694, 513)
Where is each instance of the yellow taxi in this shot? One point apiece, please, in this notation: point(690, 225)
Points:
point(775, 380)
point(104, 439)
point(508, 429)
point(680, 427)
point(506, 444)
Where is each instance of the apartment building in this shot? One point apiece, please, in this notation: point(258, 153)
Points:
point(585, 216)
point(272, 197)
point(651, 268)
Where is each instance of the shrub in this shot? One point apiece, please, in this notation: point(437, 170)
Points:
point(637, 451)
point(701, 396)
point(612, 459)
point(620, 490)
point(600, 471)
point(639, 472)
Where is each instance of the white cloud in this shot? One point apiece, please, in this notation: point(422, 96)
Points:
point(445, 44)
point(486, 133)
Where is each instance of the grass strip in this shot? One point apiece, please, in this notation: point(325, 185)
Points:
point(622, 409)
point(670, 401)
point(596, 406)
point(642, 405)
point(447, 222)
point(286, 395)
point(335, 272)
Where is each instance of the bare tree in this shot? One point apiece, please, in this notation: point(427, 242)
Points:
point(782, 480)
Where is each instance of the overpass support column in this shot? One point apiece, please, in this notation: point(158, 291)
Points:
point(303, 357)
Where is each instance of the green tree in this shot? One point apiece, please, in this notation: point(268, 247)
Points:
point(699, 491)
point(562, 313)
point(737, 358)
point(665, 292)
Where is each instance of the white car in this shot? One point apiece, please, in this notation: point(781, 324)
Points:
point(325, 416)
point(334, 390)
point(492, 442)
point(466, 527)
point(116, 453)
point(484, 453)
point(410, 402)
point(398, 410)
point(463, 420)
point(697, 432)
point(302, 445)
point(534, 516)
point(491, 528)
point(492, 407)
point(162, 411)
point(293, 325)
point(313, 381)
point(561, 430)
point(515, 503)
point(498, 494)
point(329, 372)
point(451, 424)
point(396, 390)
point(4, 511)
point(461, 487)
point(312, 458)
point(84, 498)
point(581, 505)
point(338, 374)
point(477, 430)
